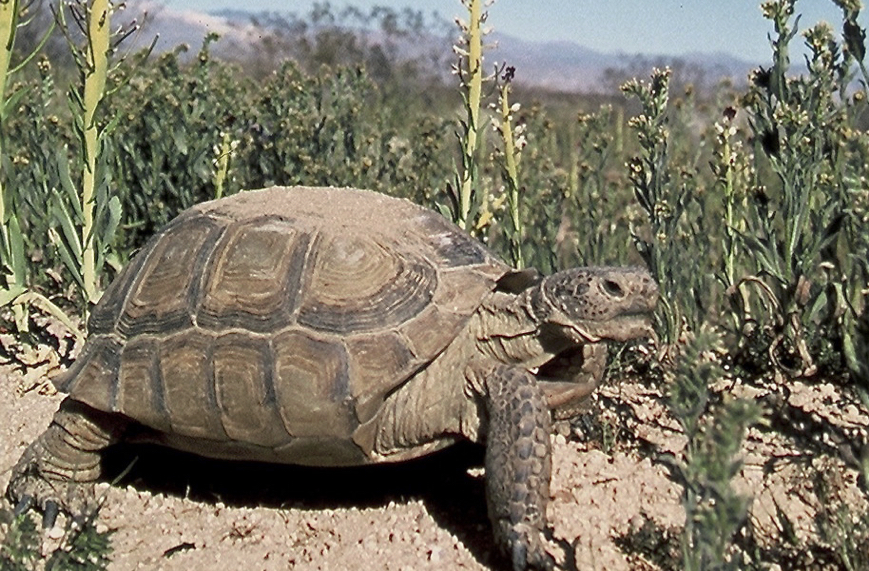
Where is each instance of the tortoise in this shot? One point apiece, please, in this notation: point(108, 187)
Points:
point(335, 327)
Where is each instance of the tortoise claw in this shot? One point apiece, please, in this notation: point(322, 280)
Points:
point(24, 504)
point(49, 516)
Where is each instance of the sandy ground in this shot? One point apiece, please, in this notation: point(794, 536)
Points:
point(178, 512)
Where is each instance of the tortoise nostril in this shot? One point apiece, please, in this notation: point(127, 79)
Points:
point(613, 288)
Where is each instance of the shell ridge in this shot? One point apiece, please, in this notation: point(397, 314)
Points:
point(202, 261)
point(276, 276)
point(158, 389)
point(136, 318)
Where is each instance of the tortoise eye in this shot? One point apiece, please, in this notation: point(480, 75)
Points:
point(613, 288)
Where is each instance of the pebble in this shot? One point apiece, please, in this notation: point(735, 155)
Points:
point(435, 555)
point(55, 532)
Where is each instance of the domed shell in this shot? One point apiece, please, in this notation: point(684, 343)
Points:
point(279, 319)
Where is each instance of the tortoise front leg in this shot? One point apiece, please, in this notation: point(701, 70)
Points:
point(518, 465)
point(58, 470)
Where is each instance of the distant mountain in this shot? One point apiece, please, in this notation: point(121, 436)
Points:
point(557, 65)
point(177, 27)
point(569, 66)
point(560, 65)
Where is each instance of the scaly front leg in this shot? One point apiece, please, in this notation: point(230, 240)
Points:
point(57, 471)
point(518, 464)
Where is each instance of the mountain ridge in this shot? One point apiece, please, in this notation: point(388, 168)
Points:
point(557, 65)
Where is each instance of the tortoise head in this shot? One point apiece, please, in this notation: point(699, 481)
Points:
point(577, 309)
point(588, 305)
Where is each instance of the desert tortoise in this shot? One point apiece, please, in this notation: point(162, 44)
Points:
point(334, 327)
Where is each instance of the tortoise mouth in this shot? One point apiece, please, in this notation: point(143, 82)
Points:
point(621, 328)
point(568, 378)
point(574, 372)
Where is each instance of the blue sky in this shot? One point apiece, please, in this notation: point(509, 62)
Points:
point(654, 27)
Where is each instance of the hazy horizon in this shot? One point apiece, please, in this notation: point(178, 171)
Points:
point(668, 28)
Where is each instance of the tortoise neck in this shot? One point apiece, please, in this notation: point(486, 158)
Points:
point(509, 331)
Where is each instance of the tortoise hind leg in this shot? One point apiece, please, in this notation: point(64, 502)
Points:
point(518, 465)
point(58, 470)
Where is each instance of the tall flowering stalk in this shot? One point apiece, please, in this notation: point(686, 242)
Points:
point(466, 198)
point(223, 153)
point(734, 174)
point(86, 220)
point(657, 194)
point(513, 141)
point(95, 73)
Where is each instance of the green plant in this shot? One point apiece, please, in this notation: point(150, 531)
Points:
point(84, 548)
point(853, 291)
point(13, 260)
point(223, 153)
point(847, 532)
point(88, 216)
point(94, 19)
point(96, 71)
point(19, 549)
point(663, 199)
point(714, 512)
point(171, 118)
point(600, 205)
point(794, 224)
point(11, 240)
point(544, 195)
point(733, 175)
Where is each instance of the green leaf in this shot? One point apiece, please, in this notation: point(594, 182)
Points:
point(69, 260)
point(855, 39)
point(8, 295)
point(179, 137)
point(67, 225)
point(18, 263)
point(11, 103)
point(818, 305)
point(114, 219)
point(67, 184)
point(110, 225)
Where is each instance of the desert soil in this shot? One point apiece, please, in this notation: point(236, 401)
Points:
point(178, 512)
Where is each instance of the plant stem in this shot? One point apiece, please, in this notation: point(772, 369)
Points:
point(8, 24)
point(222, 164)
point(474, 84)
point(99, 34)
point(511, 172)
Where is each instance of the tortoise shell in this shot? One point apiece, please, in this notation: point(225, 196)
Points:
point(278, 320)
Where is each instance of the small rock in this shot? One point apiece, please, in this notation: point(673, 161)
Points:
point(435, 555)
point(55, 532)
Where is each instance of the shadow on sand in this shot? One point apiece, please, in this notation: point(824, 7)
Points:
point(455, 499)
